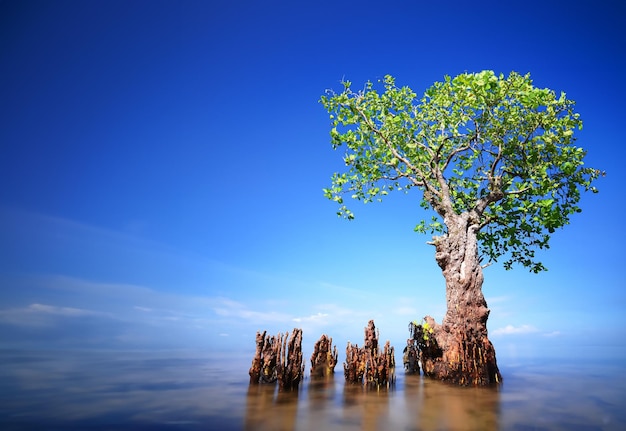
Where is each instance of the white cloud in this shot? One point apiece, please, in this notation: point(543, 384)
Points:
point(523, 329)
point(515, 330)
point(313, 318)
point(88, 288)
point(405, 311)
point(62, 311)
point(552, 334)
point(496, 299)
point(44, 315)
point(228, 308)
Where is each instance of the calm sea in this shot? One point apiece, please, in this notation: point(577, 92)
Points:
point(63, 390)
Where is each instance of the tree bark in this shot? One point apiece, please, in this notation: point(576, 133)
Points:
point(368, 365)
point(278, 358)
point(324, 357)
point(461, 352)
point(290, 367)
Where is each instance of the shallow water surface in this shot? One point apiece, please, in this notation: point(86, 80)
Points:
point(198, 391)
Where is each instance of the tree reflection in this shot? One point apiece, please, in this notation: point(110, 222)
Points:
point(321, 392)
point(433, 405)
point(367, 409)
point(270, 409)
point(418, 403)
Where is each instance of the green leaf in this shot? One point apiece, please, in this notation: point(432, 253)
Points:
point(488, 147)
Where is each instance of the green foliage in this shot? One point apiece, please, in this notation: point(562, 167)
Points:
point(494, 147)
point(421, 332)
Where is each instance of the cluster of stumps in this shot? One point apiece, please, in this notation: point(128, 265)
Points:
point(279, 358)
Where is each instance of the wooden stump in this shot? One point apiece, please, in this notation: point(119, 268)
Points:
point(263, 369)
point(411, 357)
point(324, 357)
point(354, 367)
point(290, 368)
point(368, 365)
point(278, 358)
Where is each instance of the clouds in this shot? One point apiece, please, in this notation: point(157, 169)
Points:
point(39, 315)
point(228, 308)
point(61, 309)
point(139, 291)
point(313, 318)
point(514, 330)
point(523, 330)
point(42, 325)
point(125, 315)
point(146, 295)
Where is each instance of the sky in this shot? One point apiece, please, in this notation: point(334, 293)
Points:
point(162, 166)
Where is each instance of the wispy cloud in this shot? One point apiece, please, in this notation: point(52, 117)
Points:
point(90, 288)
point(228, 308)
point(515, 330)
point(496, 299)
point(62, 311)
point(405, 311)
point(313, 318)
point(44, 314)
point(524, 329)
point(552, 334)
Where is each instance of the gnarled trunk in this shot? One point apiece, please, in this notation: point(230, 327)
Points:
point(463, 353)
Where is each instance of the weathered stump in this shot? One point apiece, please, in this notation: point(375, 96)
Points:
point(278, 358)
point(421, 347)
point(263, 369)
point(380, 369)
point(257, 361)
point(371, 336)
point(368, 365)
point(354, 367)
point(411, 357)
point(324, 357)
point(290, 368)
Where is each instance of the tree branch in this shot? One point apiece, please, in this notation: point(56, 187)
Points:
point(417, 172)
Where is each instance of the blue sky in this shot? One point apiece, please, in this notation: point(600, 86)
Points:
point(163, 164)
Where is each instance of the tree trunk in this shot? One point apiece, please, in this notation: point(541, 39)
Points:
point(463, 353)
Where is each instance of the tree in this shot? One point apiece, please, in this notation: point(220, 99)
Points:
point(494, 159)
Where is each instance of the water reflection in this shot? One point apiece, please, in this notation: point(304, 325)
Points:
point(419, 404)
point(270, 409)
point(366, 408)
point(167, 391)
point(438, 406)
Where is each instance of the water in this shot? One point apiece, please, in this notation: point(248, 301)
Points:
point(56, 390)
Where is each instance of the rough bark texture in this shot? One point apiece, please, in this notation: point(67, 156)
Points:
point(411, 358)
point(368, 365)
point(263, 369)
point(324, 357)
point(460, 351)
point(290, 368)
point(278, 358)
point(412, 355)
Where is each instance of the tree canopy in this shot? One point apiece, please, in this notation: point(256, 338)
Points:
point(494, 147)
